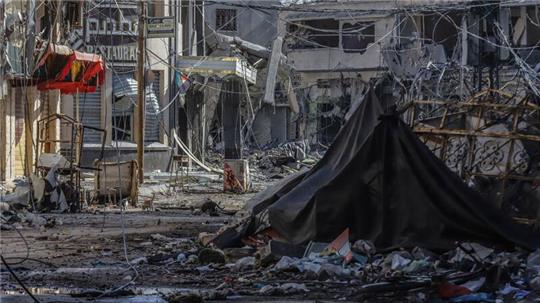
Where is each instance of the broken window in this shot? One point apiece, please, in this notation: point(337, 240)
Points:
point(73, 14)
point(525, 26)
point(125, 27)
point(93, 25)
point(409, 28)
point(517, 23)
point(329, 122)
point(226, 19)
point(356, 37)
point(315, 34)
point(110, 25)
point(442, 29)
point(45, 25)
point(122, 128)
point(323, 32)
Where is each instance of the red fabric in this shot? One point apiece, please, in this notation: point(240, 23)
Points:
point(66, 69)
point(448, 290)
point(93, 74)
point(87, 57)
point(67, 87)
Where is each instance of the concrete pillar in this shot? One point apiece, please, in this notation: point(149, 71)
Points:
point(106, 106)
point(68, 106)
point(211, 101)
point(53, 127)
point(202, 126)
point(3, 143)
point(231, 120)
point(31, 115)
point(10, 133)
point(236, 171)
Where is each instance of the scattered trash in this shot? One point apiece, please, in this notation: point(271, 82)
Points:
point(192, 259)
point(275, 250)
point(533, 262)
point(159, 237)
point(205, 238)
point(341, 246)
point(292, 288)
point(160, 258)
point(235, 253)
point(185, 297)
point(364, 247)
point(478, 297)
point(287, 264)
point(140, 260)
point(268, 290)
point(205, 268)
point(208, 255)
point(535, 283)
point(181, 258)
point(398, 262)
point(283, 289)
point(474, 285)
point(448, 290)
point(35, 220)
point(245, 263)
point(514, 292)
point(416, 266)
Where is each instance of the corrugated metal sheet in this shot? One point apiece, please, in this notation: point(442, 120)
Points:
point(124, 85)
point(125, 88)
point(90, 113)
point(151, 131)
point(125, 94)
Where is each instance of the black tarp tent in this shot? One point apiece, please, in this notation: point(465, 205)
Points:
point(380, 181)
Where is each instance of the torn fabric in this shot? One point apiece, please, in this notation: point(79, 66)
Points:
point(380, 181)
point(59, 67)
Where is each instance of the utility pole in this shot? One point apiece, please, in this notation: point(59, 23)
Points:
point(139, 125)
point(29, 102)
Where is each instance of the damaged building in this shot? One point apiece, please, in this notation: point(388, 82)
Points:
point(107, 31)
point(434, 61)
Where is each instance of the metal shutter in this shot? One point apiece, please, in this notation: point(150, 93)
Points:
point(151, 132)
point(90, 114)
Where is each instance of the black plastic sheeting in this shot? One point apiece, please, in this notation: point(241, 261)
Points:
point(380, 181)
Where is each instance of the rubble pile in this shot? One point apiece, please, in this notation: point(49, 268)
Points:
point(470, 273)
point(287, 158)
point(13, 206)
point(13, 218)
point(358, 271)
point(43, 194)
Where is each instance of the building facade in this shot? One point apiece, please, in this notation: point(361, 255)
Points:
point(105, 28)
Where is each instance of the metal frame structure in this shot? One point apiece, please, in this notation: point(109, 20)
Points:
point(73, 153)
point(483, 136)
